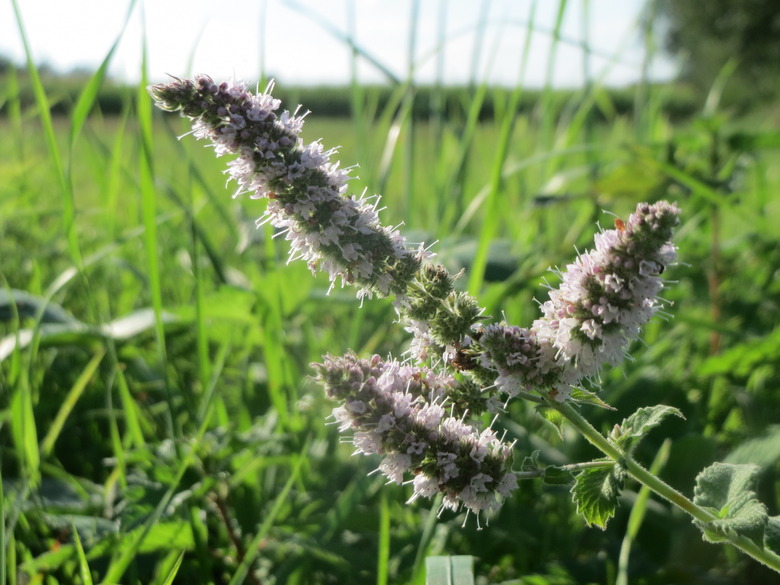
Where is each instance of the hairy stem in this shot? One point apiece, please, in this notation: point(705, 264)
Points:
point(660, 487)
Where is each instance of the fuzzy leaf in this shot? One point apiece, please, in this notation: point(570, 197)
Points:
point(581, 396)
point(531, 462)
point(726, 491)
point(596, 493)
point(636, 426)
point(552, 416)
point(557, 476)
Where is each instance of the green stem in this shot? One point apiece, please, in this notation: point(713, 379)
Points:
point(660, 487)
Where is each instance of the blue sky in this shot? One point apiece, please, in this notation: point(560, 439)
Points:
point(289, 39)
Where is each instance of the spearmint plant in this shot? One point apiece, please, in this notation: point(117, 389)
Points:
point(422, 414)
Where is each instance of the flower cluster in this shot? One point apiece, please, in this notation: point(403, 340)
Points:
point(415, 416)
point(604, 298)
point(399, 411)
point(333, 232)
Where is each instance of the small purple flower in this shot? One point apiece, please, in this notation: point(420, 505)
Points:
point(606, 295)
point(406, 422)
point(327, 229)
point(419, 418)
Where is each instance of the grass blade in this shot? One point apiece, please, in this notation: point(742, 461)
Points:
point(149, 214)
point(638, 514)
point(66, 191)
point(123, 557)
point(84, 572)
point(3, 548)
point(492, 214)
point(174, 570)
point(89, 93)
point(70, 402)
point(254, 547)
point(331, 29)
point(24, 429)
point(383, 558)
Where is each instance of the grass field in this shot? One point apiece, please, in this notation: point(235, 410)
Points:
point(158, 422)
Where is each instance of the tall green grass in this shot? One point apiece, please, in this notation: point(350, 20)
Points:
point(158, 424)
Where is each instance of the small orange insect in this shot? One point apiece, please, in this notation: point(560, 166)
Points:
point(620, 224)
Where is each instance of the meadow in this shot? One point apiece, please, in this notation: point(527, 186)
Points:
point(159, 421)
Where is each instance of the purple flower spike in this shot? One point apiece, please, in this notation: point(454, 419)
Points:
point(604, 299)
point(329, 230)
point(400, 412)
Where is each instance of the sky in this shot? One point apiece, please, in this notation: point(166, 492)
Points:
point(300, 42)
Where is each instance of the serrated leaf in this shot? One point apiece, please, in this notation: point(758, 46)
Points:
point(595, 493)
point(582, 396)
point(726, 491)
point(531, 462)
point(636, 426)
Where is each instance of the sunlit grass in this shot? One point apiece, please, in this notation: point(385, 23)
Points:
point(190, 441)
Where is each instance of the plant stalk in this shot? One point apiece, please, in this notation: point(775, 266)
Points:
point(660, 487)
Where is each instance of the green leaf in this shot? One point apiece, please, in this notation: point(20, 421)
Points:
point(15, 302)
point(726, 491)
point(751, 141)
point(742, 359)
point(557, 476)
point(531, 462)
point(596, 493)
point(174, 570)
point(636, 426)
point(84, 572)
point(581, 396)
point(24, 431)
point(552, 416)
point(383, 558)
point(69, 403)
point(78, 333)
point(762, 451)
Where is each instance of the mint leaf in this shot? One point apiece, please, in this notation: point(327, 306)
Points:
point(552, 416)
point(557, 476)
point(596, 493)
point(726, 491)
point(582, 396)
point(531, 462)
point(636, 426)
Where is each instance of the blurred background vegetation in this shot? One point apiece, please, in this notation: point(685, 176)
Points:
point(157, 420)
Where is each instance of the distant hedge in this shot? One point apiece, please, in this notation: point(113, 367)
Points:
point(336, 101)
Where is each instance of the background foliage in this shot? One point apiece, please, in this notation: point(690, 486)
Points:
point(709, 36)
point(157, 421)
